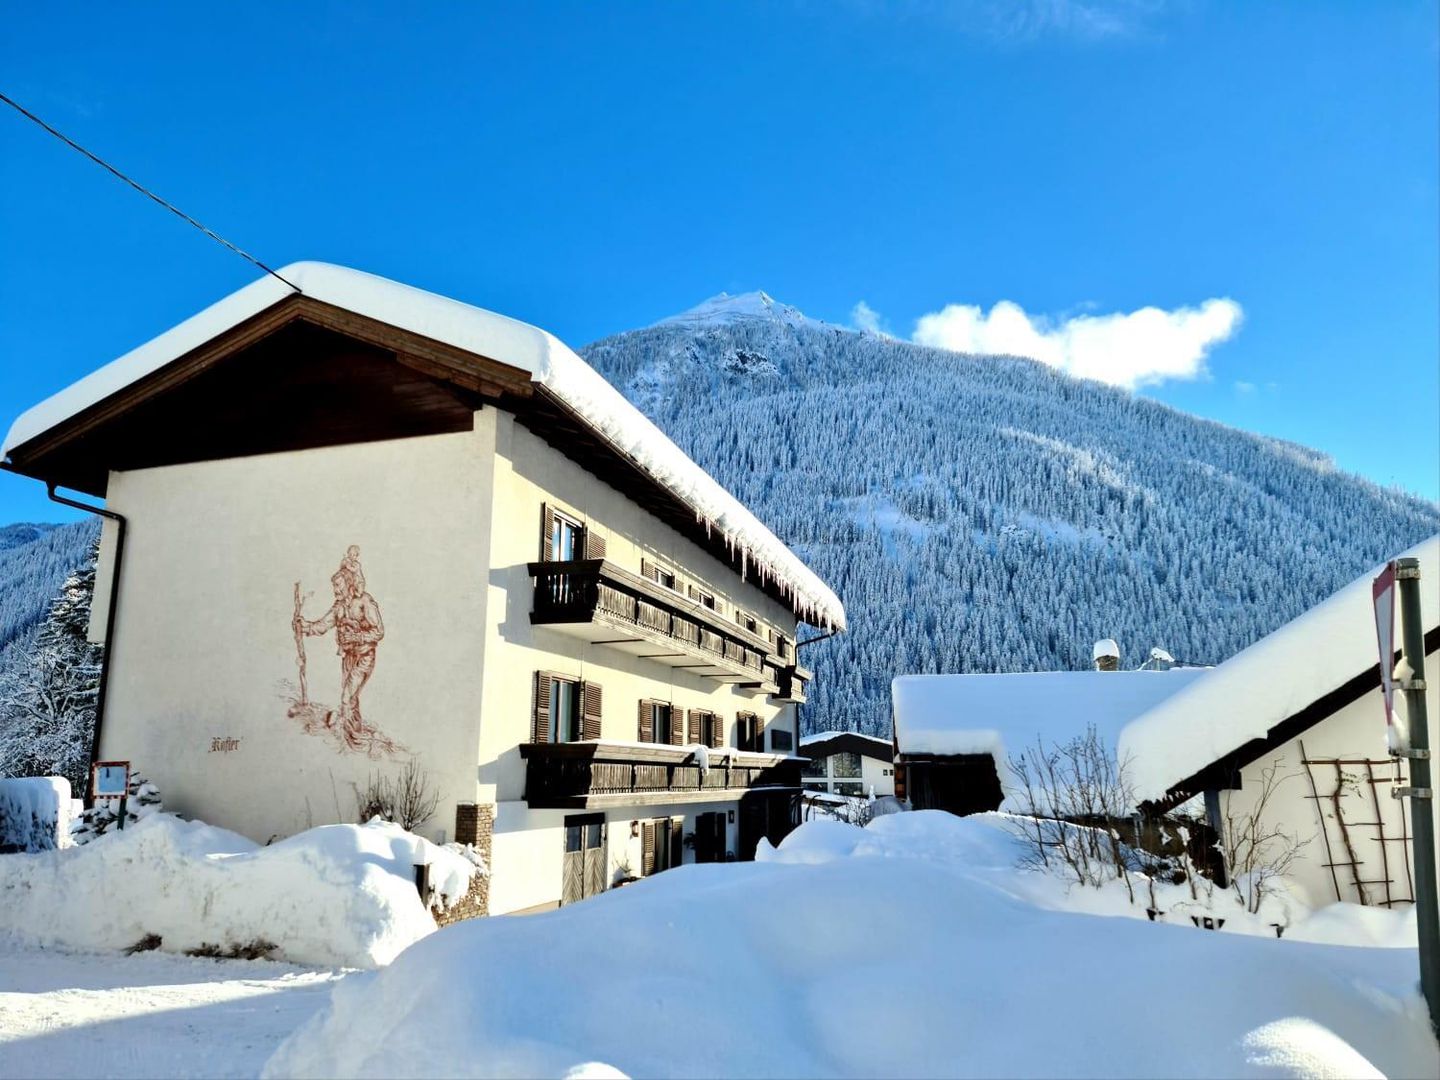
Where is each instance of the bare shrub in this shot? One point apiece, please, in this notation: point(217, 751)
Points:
point(1256, 852)
point(409, 799)
point(1071, 795)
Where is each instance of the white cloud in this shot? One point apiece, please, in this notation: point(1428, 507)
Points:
point(864, 317)
point(1140, 348)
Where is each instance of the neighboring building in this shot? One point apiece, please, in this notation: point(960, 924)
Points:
point(1303, 703)
point(955, 734)
point(363, 524)
point(848, 763)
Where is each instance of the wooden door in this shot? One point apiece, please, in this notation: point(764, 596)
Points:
point(594, 859)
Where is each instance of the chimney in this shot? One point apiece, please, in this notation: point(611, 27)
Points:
point(1107, 655)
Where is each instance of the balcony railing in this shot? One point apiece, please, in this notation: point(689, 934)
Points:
point(602, 602)
point(571, 775)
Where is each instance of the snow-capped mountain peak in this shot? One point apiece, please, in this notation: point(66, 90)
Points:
point(724, 309)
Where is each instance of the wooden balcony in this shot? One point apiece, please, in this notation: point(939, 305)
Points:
point(564, 776)
point(605, 604)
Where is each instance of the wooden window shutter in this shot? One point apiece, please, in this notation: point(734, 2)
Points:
point(645, 729)
point(693, 592)
point(677, 728)
point(590, 702)
point(540, 719)
point(547, 533)
point(677, 840)
point(594, 544)
point(647, 569)
point(760, 734)
point(647, 848)
point(693, 734)
point(717, 730)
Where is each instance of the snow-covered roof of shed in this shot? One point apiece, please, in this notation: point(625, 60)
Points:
point(1007, 713)
point(549, 362)
point(1272, 680)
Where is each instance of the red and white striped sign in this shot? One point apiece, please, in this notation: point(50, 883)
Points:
point(1382, 592)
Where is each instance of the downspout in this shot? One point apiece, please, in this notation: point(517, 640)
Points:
point(110, 608)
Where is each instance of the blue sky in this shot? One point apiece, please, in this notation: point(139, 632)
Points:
point(593, 168)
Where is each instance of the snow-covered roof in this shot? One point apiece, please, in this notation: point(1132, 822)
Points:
point(1257, 688)
point(993, 714)
point(824, 743)
point(549, 362)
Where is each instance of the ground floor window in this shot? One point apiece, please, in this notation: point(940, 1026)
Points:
point(849, 789)
point(662, 844)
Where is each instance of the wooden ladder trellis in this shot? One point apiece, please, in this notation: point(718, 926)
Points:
point(1343, 827)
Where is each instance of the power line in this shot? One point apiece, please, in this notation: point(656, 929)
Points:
point(143, 191)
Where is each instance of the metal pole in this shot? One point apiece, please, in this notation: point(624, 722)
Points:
point(1421, 789)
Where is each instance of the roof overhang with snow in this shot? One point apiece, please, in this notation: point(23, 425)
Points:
point(414, 363)
point(1283, 685)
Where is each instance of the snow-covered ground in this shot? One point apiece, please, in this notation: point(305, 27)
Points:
point(80, 1014)
point(912, 947)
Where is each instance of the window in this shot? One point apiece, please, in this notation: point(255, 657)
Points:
point(813, 768)
point(657, 573)
point(849, 789)
point(750, 733)
point(781, 739)
point(813, 786)
point(660, 845)
point(709, 729)
point(845, 765)
point(564, 539)
point(746, 620)
point(703, 598)
point(655, 722)
point(782, 646)
point(564, 711)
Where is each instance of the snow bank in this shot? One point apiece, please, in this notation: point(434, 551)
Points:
point(34, 813)
point(549, 362)
point(917, 954)
point(1257, 688)
point(337, 895)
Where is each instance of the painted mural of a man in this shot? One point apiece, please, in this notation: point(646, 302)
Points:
point(355, 618)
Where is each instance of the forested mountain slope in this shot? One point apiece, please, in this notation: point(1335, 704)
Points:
point(990, 513)
point(34, 562)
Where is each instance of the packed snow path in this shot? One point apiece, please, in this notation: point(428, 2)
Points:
point(77, 1014)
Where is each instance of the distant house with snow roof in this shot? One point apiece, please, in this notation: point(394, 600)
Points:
point(848, 763)
point(955, 734)
point(1304, 702)
point(354, 525)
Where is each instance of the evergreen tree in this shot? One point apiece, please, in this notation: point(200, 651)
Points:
point(47, 704)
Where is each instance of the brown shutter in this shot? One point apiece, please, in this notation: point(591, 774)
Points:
point(594, 544)
point(540, 719)
point(694, 727)
point(693, 592)
point(645, 727)
point(647, 848)
point(547, 533)
point(717, 731)
point(760, 734)
point(590, 701)
point(647, 569)
point(677, 841)
point(677, 727)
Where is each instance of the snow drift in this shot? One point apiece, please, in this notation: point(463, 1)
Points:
point(918, 954)
point(337, 895)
